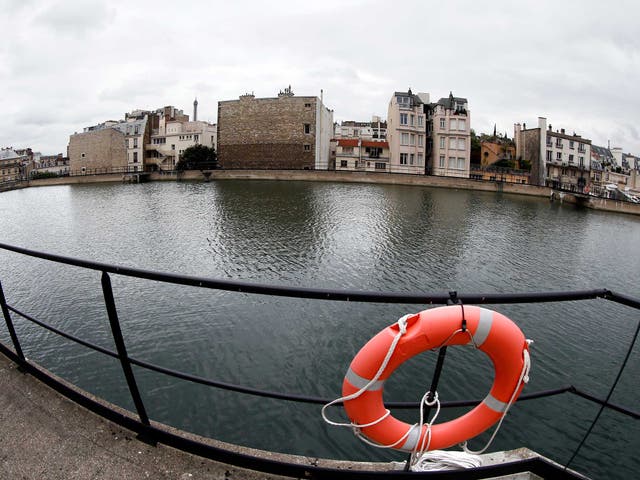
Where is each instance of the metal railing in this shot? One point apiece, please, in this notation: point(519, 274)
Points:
point(153, 434)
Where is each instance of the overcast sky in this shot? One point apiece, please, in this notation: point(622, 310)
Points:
point(70, 64)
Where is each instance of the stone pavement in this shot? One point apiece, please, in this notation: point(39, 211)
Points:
point(44, 436)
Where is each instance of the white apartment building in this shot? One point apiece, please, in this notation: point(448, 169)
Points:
point(406, 132)
point(355, 154)
point(174, 133)
point(375, 130)
point(450, 132)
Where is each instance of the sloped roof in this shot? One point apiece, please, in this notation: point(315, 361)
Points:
point(8, 153)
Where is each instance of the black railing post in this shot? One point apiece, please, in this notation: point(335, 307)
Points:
point(122, 350)
point(10, 327)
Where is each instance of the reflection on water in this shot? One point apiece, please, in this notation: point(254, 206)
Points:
point(364, 237)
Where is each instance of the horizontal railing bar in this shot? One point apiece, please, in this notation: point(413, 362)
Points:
point(305, 398)
point(315, 293)
point(64, 334)
point(536, 465)
point(623, 299)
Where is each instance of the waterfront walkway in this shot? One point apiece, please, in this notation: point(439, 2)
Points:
point(43, 435)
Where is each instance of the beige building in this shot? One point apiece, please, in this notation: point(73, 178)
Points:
point(10, 165)
point(286, 132)
point(406, 132)
point(558, 159)
point(450, 132)
point(50, 164)
point(97, 150)
point(174, 133)
point(358, 155)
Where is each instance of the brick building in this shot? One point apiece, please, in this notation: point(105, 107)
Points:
point(286, 132)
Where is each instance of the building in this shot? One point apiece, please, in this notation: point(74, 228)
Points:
point(359, 155)
point(11, 165)
point(174, 133)
point(97, 150)
point(376, 129)
point(407, 132)
point(47, 165)
point(496, 151)
point(285, 132)
point(449, 130)
point(558, 159)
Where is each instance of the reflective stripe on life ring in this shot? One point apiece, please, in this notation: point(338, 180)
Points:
point(492, 333)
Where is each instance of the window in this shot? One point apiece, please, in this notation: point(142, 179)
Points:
point(135, 143)
point(581, 161)
point(420, 140)
point(307, 148)
point(307, 128)
point(411, 159)
point(196, 138)
point(173, 146)
point(558, 143)
point(453, 143)
point(441, 161)
point(442, 125)
point(571, 144)
point(403, 158)
point(570, 158)
point(581, 147)
point(413, 120)
point(442, 140)
point(343, 163)
point(307, 105)
point(460, 163)
point(462, 144)
point(412, 139)
point(462, 124)
point(559, 156)
point(549, 155)
point(420, 159)
point(403, 119)
point(381, 166)
point(356, 132)
point(453, 124)
point(81, 155)
point(452, 162)
point(420, 120)
point(549, 142)
point(135, 157)
point(135, 130)
point(404, 139)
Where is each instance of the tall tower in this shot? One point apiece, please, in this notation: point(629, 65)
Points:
point(195, 110)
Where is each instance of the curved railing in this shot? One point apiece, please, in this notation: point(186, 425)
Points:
point(152, 434)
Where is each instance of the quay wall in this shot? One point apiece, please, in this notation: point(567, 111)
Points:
point(597, 203)
point(594, 203)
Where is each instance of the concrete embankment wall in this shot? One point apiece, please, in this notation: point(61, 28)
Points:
point(597, 203)
point(358, 177)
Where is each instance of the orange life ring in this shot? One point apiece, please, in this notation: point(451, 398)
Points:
point(492, 333)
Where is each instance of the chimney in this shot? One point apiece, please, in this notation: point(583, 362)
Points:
point(562, 130)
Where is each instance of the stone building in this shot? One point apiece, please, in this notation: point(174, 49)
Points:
point(93, 151)
point(449, 130)
point(406, 132)
point(558, 159)
point(286, 132)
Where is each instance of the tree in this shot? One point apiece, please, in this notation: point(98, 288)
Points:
point(198, 157)
point(475, 148)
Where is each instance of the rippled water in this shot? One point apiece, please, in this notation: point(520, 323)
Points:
point(364, 237)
